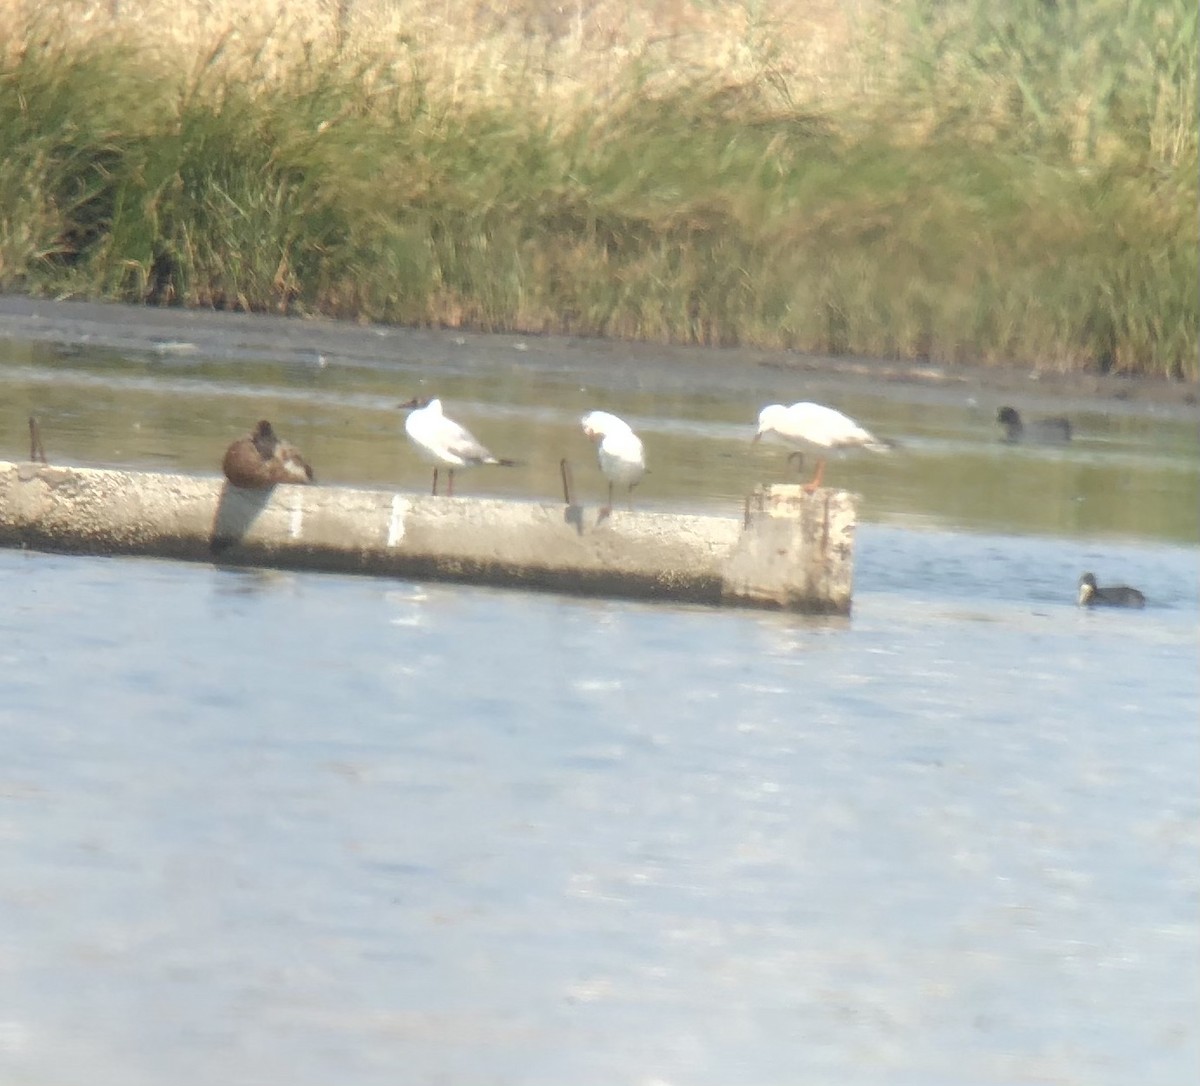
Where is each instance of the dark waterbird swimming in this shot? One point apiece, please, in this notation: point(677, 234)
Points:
point(261, 459)
point(1050, 431)
point(1121, 595)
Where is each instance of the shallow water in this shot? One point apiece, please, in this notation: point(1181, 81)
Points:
point(279, 827)
point(267, 827)
point(139, 399)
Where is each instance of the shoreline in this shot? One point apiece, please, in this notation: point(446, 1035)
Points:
point(167, 332)
point(685, 173)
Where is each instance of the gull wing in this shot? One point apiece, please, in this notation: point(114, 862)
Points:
point(460, 442)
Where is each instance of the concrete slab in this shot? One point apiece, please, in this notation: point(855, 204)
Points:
point(791, 550)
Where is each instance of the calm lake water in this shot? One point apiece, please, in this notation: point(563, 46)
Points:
point(261, 827)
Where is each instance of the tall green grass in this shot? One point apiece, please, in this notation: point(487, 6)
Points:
point(1018, 183)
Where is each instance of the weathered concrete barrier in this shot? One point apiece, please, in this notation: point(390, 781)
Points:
point(791, 550)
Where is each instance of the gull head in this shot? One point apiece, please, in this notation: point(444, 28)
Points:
point(599, 424)
point(769, 419)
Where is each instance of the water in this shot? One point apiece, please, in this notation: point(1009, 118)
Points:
point(265, 827)
point(150, 388)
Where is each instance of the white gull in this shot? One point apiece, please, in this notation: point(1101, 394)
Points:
point(442, 442)
point(815, 428)
point(618, 450)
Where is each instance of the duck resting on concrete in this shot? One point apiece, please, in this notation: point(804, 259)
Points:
point(815, 428)
point(618, 451)
point(1119, 595)
point(261, 460)
point(442, 442)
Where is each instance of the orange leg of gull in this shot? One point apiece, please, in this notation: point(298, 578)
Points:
point(809, 487)
point(607, 510)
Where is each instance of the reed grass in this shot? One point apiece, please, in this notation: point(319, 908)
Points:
point(959, 181)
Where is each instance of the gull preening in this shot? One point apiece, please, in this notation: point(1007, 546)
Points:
point(442, 442)
point(815, 428)
point(261, 459)
point(618, 451)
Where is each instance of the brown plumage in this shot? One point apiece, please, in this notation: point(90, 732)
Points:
point(260, 460)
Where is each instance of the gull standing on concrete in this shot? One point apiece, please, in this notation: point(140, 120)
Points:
point(618, 450)
point(812, 427)
point(261, 459)
point(443, 443)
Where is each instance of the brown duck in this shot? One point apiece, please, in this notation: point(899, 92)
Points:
point(260, 460)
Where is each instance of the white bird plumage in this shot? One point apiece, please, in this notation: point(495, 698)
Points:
point(619, 451)
point(442, 442)
point(815, 428)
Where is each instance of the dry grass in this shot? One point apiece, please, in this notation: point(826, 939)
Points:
point(492, 51)
point(956, 180)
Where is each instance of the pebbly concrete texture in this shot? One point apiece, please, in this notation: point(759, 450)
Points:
point(791, 551)
point(796, 550)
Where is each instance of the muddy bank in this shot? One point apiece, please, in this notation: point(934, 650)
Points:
point(68, 325)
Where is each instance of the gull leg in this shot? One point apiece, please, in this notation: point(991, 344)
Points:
point(607, 510)
point(450, 483)
point(799, 458)
point(816, 479)
point(568, 483)
point(434, 491)
point(36, 453)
